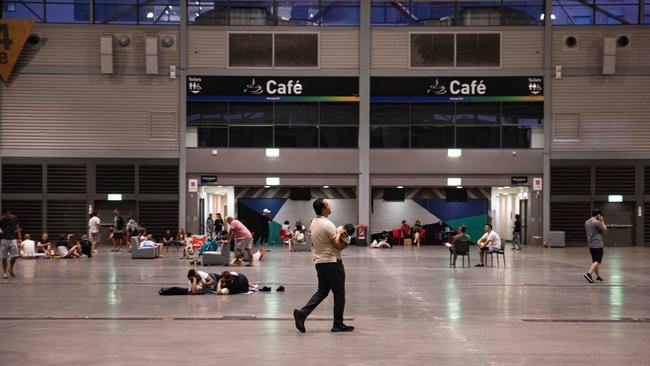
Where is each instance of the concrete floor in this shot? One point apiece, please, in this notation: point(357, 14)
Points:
point(408, 306)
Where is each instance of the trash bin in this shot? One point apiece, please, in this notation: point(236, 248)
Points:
point(361, 235)
point(557, 239)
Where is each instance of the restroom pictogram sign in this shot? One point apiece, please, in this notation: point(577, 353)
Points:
point(13, 35)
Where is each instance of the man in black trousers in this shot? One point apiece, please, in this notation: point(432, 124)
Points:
point(327, 244)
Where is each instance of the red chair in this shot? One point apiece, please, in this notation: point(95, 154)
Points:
point(397, 238)
point(423, 236)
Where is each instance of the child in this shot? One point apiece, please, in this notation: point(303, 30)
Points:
point(188, 252)
point(346, 231)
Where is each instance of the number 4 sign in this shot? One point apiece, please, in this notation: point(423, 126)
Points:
point(13, 35)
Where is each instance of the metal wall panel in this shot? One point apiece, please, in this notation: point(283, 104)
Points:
point(613, 110)
point(86, 113)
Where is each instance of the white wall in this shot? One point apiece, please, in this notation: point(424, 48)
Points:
point(344, 211)
point(388, 215)
point(503, 208)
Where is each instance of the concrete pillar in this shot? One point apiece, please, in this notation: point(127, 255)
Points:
point(363, 185)
point(548, 119)
point(182, 74)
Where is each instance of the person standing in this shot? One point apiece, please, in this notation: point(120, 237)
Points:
point(243, 240)
point(263, 233)
point(209, 227)
point(10, 231)
point(218, 223)
point(94, 229)
point(118, 231)
point(516, 233)
point(595, 228)
point(327, 249)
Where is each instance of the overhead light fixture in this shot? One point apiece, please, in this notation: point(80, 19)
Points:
point(114, 197)
point(272, 153)
point(499, 188)
point(267, 187)
point(506, 187)
point(326, 187)
point(459, 187)
point(454, 182)
point(615, 198)
point(272, 181)
point(400, 187)
point(454, 153)
point(150, 15)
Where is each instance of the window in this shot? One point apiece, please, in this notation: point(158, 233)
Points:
point(296, 114)
point(523, 114)
point(389, 113)
point(339, 137)
point(296, 50)
point(250, 49)
point(251, 113)
point(432, 136)
point(273, 49)
point(478, 50)
point(243, 136)
point(292, 136)
point(389, 136)
point(432, 113)
point(478, 137)
point(213, 136)
point(202, 113)
point(274, 13)
point(516, 137)
point(432, 50)
point(588, 12)
point(477, 113)
point(339, 113)
point(137, 11)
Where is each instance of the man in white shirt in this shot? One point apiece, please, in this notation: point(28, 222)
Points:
point(328, 244)
point(28, 247)
point(94, 228)
point(490, 242)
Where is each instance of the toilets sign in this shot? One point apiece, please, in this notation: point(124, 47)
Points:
point(261, 88)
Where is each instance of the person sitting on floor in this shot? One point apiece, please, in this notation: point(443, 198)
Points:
point(490, 242)
point(148, 242)
point(68, 248)
point(383, 241)
point(44, 246)
point(232, 283)
point(298, 236)
point(168, 239)
point(461, 236)
point(86, 246)
point(28, 248)
point(201, 282)
point(188, 251)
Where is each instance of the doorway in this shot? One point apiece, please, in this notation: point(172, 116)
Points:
point(620, 219)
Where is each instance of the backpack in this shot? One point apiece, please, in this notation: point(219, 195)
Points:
point(169, 291)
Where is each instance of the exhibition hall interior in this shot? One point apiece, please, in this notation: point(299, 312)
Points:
point(351, 182)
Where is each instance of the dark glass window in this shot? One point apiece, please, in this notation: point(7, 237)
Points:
point(477, 113)
point(389, 113)
point(391, 137)
point(251, 113)
point(207, 113)
point(478, 137)
point(432, 113)
point(296, 50)
point(432, 137)
point(516, 137)
point(296, 113)
point(523, 114)
point(478, 50)
point(251, 136)
point(339, 113)
point(339, 137)
point(250, 49)
point(303, 136)
point(213, 136)
point(432, 50)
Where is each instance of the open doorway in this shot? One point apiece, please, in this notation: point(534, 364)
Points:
point(506, 204)
point(213, 200)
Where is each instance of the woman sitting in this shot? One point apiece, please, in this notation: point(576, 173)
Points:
point(68, 248)
point(232, 283)
point(201, 282)
point(416, 231)
point(148, 242)
point(45, 246)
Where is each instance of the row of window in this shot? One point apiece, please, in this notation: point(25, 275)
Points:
point(455, 50)
point(332, 12)
point(273, 49)
point(278, 136)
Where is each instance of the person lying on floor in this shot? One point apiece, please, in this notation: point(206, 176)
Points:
point(232, 283)
point(150, 243)
point(201, 282)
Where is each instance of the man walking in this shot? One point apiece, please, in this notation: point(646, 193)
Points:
point(329, 268)
point(243, 240)
point(595, 227)
point(118, 231)
point(263, 233)
point(9, 235)
point(94, 228)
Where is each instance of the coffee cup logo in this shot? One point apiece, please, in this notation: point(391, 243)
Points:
point(437, 88)
point(253, 88)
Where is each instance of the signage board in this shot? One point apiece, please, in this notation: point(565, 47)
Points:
point(192, 185)
point(208, 180)
point(13, 35)
point(519, 180)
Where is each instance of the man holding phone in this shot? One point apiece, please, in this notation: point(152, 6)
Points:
point(595, 228)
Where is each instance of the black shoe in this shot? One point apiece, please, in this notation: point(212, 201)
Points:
point(588, 277)
point(342, 328)
point(300, 320)
point(599, 279)
point(280, 289)
point(265, 289)
point(478, 265)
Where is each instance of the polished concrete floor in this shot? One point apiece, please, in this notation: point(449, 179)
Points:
point(408, 306)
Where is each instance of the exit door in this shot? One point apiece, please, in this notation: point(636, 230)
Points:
point(620, 219)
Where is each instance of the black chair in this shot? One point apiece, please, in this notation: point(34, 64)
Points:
point(461, 248)
point(497, 253)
